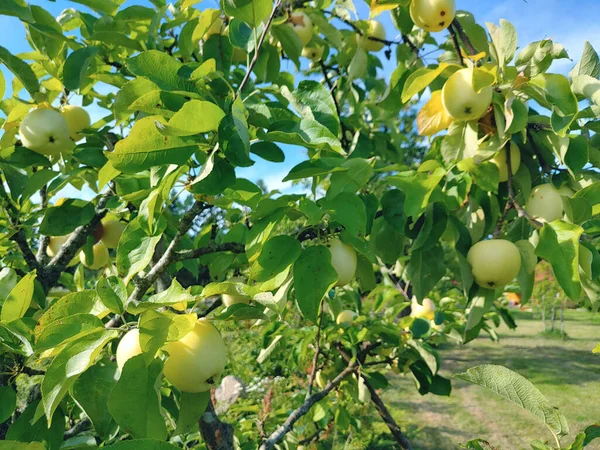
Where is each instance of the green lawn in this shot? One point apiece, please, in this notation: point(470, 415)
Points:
point(566, 372)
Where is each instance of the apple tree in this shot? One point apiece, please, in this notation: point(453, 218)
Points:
point(421, 195)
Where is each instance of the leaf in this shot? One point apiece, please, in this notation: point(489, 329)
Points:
point(504, 39)
point(313, 100)
point(234, 141)
point(278, 253)
point(358, 173)
point(314, 276)
point(135, 250)
point(418, 189)
point(519, 391)
point(197, 116)
point(8, 402)
point(21, 70)
point(481, 303)
point(348, 210)
point(160, 68)
point(290, 42)
point(315, 167)
point(557, 92)
point(16, 9)
point(8, 280)
point(76, 67)
point(135, 400)
point(420, 79)
point(268, 151)
point(64, 219)
point(113, 293)
point(589, 64)
point(29, 427)
point(157, 328)
point(241, 311)
point(433, 117)
point(18, 301)
point(67, 329)
point(118, 40)
point(253, 12)
point(559, 245)
point(71, 362)
point(306, 133)
point(424, 270)
point(142, 444)
point(191, 408)
point(169, 297)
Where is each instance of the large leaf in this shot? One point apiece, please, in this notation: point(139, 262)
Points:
point(8, 402)
point(67, 329)
point(196, 116)
point(142, 444)
point(253, 12)
point(21, 70)
point(17, 303)
point(348, 210)
point(77, 65)
point(169, 297)
point(113, 293)
point(425, 269)
point(418, 189)
point(157, 328)
point(16, 8)
point(519, 391)
point(161, 69)
point(135, 250)
point(278, 253)
point(306, 133)
point(313, 100)
point(191, 408)
point(589, 64)
point(64, 219)
point(419, 80)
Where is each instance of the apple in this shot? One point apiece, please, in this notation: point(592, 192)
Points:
point(460, 99)
point(432, 15)
point(128, 347)
point(425, 310)
point(302, 26)
point(500, 161)
point(196, 361)
point(77, 119)
point(364, 395)
point(343, 260)
point(375, 30)
point(545, 202)
point(320, 380)
point(101, 257)
point(346, 318)
point(315, 53)
point(112, 229)
point(45, 131)
point(494, 263)
point(54, 245)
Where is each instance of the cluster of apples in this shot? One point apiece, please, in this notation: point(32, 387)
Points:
point(50, 132)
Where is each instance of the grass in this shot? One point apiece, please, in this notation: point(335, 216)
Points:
point(566, 372)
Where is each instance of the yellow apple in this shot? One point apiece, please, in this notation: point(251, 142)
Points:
point(346, 318)
point(315, 53)
point(77, 119)
point(494, 263)
point(197, 360)
point(45, 131)
point(343, 260)
point(112, 229)
point(500, 161)
point(376, 30)
point(460, 99)
point(433, 15)
point(545, 202)
point(364, 395)
point(425, 310)
point(128, 347)
point(101, 257)
point(302, 26)
point(54, 245)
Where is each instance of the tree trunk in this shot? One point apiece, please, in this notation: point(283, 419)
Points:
point(217, 435)
point(544, 313)
point(562, 319)
point(552, 317)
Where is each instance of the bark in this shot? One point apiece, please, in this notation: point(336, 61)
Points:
point(217, 435)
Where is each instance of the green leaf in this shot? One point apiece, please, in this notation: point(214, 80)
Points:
point(8, 402)
point(21, 70)
point(135, 400)
point(67, 329)
point(518, 390)
point(559, 245)
point(169, 297)
point(253, 12)
point(91, 392)
point(8, 280)
point(358, 173)
point(157, 328)
point(234, 141)
point(119, 40)
point(113, 293)
point(16, 8)
point(18, 301)
point(278, 253)
point(418, 189)
point(419, 80)
point(142, 444)
point(191, 408)
point(306, 133)
point(587, 87)
point(29, 427)
point(348, 210)
point(77, 65)
point(481, 303)
point(504, 39)
point(268, 151)
point(313, 100)
point(424, 270)
point(64, 219)
point(71, 362)
point(197, 117)
point(485, 174)
point(161, 69)
point(241, 311)
point(108, 7)
point(135, 250)
point(557, 92)
point(314, 276)
point(315, 167)
point(290, 42)
point(589, 64)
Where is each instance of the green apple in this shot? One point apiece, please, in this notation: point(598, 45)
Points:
point(545, 202)
point(128, 347)
point(112, 229)
point(425, 310)
point(500, 161)
point(197, 360)
point(432, 15)
point(54, 245)
point(77, 119)
point(315, 53)
point(346, 318)
point(494, 263)
point(364, 395)
point(45, 131)
point(375, 30)
point(302, 26)
point(460, 99)
point(101, 257)
point(343, 260)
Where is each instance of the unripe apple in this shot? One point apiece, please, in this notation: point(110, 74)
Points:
point(545, 202)
point(343, 260)
point(197, 360)
point(112, 229)
point(425, 310)
point(500, 161)
point(364, 395)
point(54, 245)
point(432, 15)
point(346, 318)
point(77, 119)
point(302, 26)
point(315, 53)
point(101, 257)
point(128, 347)
point(460, 99)
point(494, 263)
point(45, 131)
point(375, 30)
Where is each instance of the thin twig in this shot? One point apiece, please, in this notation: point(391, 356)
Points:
point(338, 110)
point(507, 208)
point(471, 50)
point(456, 44)
point(82, 425)
point(313, 370)
point(233, 247)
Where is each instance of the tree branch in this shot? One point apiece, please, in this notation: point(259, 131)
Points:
point(338, 110)
point(82, 425)
point(313, 370)
point(456, 44)
point(217, 435)
point(471, 50)
point(234, 247)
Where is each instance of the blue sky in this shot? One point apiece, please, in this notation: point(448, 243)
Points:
point(570, 23)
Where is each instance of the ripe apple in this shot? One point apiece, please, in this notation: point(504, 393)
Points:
point(494, 263)
point(343, 260)
point(364, 395)
point(77, 119)
point(545, 202)
point(302, 26)
point(315, 53)
point(197, 360)
point(426, 310)
point(54, 245)
point(500, 161)
point(432, 15)
point(45, 131)
point(101, 257)
point(346, 318)
point(375, 30)
point(128, 347)
point(460, 99)
point(112, 229)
